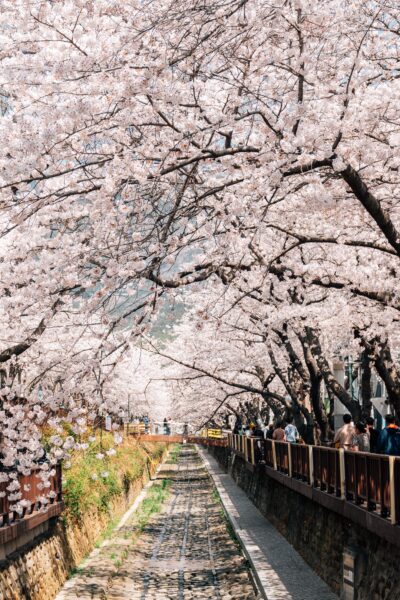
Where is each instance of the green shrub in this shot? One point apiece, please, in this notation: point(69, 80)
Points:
point(92, 483)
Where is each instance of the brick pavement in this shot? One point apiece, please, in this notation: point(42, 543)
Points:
point(185, 552)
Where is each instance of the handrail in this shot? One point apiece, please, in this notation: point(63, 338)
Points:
point(370, 481)
point(30, 488)
point(181, 438)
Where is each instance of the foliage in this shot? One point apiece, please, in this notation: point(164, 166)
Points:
point(91, 484)
point(155, 497)
point(240, 159)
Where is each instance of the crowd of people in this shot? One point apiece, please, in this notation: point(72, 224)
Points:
point(364, 437)
point(358, 437)
point(283, 431)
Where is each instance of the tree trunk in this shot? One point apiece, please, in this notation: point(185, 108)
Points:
point(330, 381)
point(387, 370)
point(315, 378)
point(379, 351)
point(318, 406)
point(366, 387)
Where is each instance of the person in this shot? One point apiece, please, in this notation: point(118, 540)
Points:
point(247, 431)
point(344, 436)
point(270, 432)
point(291, 432)
point(279, 433)
point(389, 438)
point(165, 426)
point(361, 442)
point(146, 424)
point(257, 432)
point(238, 426)
point(373, 434)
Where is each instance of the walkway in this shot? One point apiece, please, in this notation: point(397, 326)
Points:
point(181, 551)
point(282, 573)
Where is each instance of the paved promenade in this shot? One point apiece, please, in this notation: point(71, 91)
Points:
point(281, 572)
point(184, 551)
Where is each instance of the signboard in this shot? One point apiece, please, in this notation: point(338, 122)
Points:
point(214, 433)
point(108, 423)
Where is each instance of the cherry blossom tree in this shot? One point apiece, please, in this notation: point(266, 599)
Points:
point(246, 147)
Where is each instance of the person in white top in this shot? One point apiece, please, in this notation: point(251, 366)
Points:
point(291, 432)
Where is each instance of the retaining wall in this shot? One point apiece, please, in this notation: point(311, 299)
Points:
point(38, 571)
point(321, 536)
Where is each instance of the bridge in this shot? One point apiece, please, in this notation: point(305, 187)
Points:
point(182, 439)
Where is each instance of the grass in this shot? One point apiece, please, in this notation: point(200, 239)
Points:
point(217, 499)
point(82, 492)
point(151, 505)
point(156, 496)
point(174, 454)
point(111, 525)
point(92, 483)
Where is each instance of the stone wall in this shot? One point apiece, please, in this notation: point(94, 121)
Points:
point(321, 535)
point(40, 569)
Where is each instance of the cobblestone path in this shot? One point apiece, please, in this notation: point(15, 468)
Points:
point(184, 552)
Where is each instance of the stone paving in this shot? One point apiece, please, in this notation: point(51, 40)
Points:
point(281, 571)
point(185, 552)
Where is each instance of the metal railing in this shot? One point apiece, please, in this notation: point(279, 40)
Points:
point(31, 490)
point(370, 481)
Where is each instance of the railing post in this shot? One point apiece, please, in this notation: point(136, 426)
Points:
point(392, 491)
point(245, 449)
point(253, 462)
point(59, 481)
point(274, 456)
point(342, 473)
point(311, 464)
point(289, 458)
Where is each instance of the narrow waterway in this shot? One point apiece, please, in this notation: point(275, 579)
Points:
point(184, 550)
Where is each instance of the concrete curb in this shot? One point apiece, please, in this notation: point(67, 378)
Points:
point(251, 550)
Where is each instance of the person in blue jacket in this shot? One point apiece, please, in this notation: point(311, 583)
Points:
point(389, 438)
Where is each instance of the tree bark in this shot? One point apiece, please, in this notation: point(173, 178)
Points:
point(388, 372)
point(315, 391)
point(366, 387)
point(330, 381)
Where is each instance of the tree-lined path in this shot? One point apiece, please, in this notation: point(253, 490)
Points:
point(184, 551)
